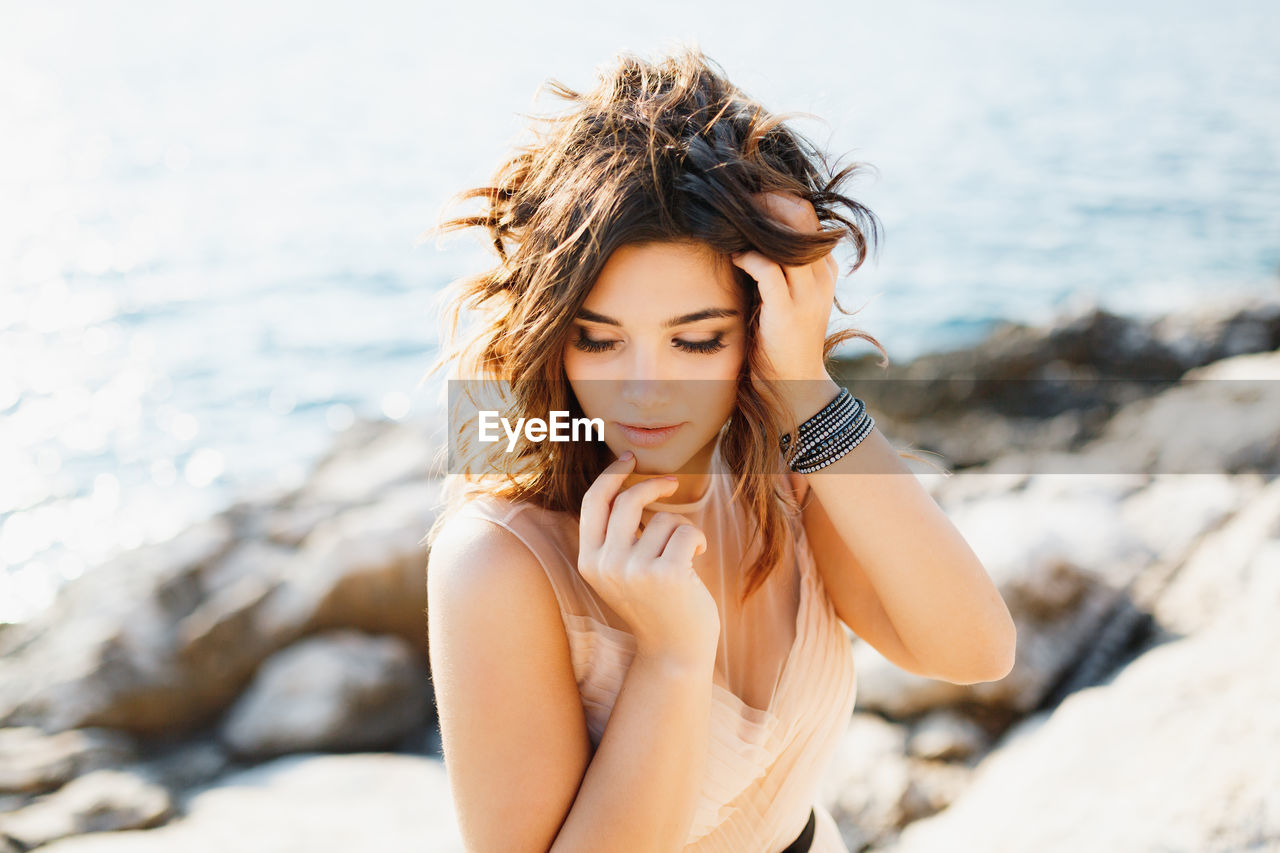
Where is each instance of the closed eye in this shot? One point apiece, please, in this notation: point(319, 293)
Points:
point(587, 344)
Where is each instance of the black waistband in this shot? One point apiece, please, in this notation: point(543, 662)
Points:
point(804, 840)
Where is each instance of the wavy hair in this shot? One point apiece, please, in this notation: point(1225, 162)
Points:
point(657, 151)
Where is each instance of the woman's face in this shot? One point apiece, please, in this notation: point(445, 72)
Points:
point(660, 340)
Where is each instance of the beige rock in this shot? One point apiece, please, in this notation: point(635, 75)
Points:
point(337, 691)
point(868, 780)
point(1059, 586)
point(1178, 752)
point(100, 801)
point(384, 802)
point(32, 761)
point(1221, 565)
point(945, 735)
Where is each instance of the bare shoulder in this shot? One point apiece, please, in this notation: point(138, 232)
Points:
point(513, 730)
point(467, 546)
point(476, 564)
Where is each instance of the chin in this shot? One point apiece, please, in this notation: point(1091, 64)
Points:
point(661, 460)
point(657, 461)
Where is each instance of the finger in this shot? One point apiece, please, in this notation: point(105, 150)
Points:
point(686, 542)
point(656, 533)
point(624, 515)
point(770, 278)
point(800, 281)
point(831, 276)
point(596, 500)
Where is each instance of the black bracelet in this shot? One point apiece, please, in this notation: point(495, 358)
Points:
point(849, 440)
point(815, 425)
point(830, 434)
point(834, 427)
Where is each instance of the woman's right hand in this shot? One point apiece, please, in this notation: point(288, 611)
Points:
point(649, 581)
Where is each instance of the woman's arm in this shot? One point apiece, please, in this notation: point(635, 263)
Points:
point(514, 735)
point(942, 606)
point(849, 587)
point(642, 788)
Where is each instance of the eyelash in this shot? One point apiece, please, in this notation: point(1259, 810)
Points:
point(714, 345)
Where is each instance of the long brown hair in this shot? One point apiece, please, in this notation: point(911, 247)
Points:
point(657, 151)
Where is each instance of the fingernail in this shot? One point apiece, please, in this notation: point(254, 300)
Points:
point(626, 457)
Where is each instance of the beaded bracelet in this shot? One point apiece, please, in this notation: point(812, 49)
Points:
point(830, 434)
point(851, 440)
point(818, 426)
point(821, 434)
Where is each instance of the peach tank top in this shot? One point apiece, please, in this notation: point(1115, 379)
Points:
point(783, 689)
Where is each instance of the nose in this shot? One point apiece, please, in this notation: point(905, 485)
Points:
point(645, 385)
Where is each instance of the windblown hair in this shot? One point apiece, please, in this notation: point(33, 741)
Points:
point(662, 151)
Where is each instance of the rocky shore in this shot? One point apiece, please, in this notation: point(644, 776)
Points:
point(260, 682)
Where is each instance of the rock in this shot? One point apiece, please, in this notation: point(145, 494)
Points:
point(1059, 586)
point(872, 788)
point(934, 786)
point(946, 736)
point(887, 689)
point(1222, 565)
point(1174, 753)
point(1034, 391)
point(1220, 328)
point(220, 644)
point(367, 463)
point(364, 569)
point(289, 525)
point(100, 801)
point(867, 780)
point(189, 764)
point(968, 486)
point(382, 802)
point(167, 572)
point(338, 691)
point(13, 802)
point(1170, 433)
point(1172, 513)
point(162, 641)
point(33, 762)
point(101, 655)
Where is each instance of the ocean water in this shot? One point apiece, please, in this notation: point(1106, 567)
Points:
point(209, 217)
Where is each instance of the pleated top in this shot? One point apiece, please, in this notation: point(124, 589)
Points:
point(783, 688)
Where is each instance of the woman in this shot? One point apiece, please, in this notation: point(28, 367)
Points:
point(638, 641)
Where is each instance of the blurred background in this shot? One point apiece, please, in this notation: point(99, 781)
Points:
point(208, 256)
point(209, 216)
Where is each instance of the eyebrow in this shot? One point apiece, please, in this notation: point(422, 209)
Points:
point(704, 314)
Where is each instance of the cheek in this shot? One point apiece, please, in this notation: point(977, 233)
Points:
point(730, 361)
point(588, 391)
point(576, 367)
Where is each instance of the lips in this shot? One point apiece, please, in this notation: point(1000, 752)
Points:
point(642, 436)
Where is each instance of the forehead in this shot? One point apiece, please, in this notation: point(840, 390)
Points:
point(654, 278)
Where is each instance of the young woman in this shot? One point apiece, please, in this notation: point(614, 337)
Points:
point(638, 641)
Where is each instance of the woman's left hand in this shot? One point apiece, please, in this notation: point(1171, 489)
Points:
point(797, 300)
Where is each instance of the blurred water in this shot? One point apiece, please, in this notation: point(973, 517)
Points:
point(208, 216)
